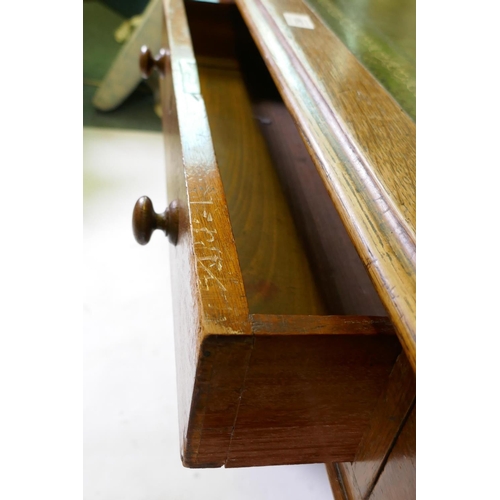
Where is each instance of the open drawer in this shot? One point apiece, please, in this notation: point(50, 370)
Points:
point(282, 344)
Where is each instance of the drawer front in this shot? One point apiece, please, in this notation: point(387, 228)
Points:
point(264, 376)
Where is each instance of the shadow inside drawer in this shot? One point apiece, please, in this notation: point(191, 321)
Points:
point(295, 255)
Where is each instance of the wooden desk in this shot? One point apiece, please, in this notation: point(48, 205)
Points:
point(292, 172)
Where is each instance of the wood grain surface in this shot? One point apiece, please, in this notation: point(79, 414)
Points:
point(274, 265)
point(264, 378)
point(368, 116)
point(398, 479)
point(209, 296)
point(288, 395)
point(387, 420)
point(340, 274)
point(306, 396)
point(382, 35)
point(336, 484)
point(361, 141)
point(245, 109)
point(266, 324)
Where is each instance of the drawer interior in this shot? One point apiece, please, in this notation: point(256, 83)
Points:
point(293, 377)
point(295, 255)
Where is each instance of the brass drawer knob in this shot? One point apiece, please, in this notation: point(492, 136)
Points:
point(147, 62)
point(145, 220)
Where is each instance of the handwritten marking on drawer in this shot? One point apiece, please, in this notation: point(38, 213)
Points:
point(210, 232)
point(209, 275)
point(214, 261)
point(209, 256)
point(190, 81)
point(298, 20)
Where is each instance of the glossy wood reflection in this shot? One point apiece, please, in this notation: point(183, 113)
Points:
point(398, 480)
point(388, 418)
point(362, 143)
point(267, 374)
point(147, 62)
point(210, 297)
point(260, 404)
point(145, 220)
point(382, 36)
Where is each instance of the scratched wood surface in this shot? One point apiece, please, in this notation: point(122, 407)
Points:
point(208, 291)
point(274, 265)
point(246, 395)
point(362, 143)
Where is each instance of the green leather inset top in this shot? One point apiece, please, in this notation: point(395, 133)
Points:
point(382, 35)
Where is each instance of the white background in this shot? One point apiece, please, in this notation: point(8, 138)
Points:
point(130, 427)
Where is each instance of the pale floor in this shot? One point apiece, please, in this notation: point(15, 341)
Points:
point(130, 436)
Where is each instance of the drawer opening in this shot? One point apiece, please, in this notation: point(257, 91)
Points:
point(294, 377)
point(295, 255)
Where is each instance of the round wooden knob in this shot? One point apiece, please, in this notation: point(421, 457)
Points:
point(147, 62)
point(145, 220)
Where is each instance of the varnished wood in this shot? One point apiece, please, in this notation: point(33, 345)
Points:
point(387, 419)
point(306, 396)
point(370, 119)
point(211, 30)
point(264, 324)
point(362, 143)
point(220, 382)
point(398, 481)
point(382, 35)
point(388, 416)
point(336, 484)
point(145, 220)
point(340, 274)
point(245, 111)
point(258, 403)
point(147, 62)
point(264, 378)
point(210, 296)
point(274, 265)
